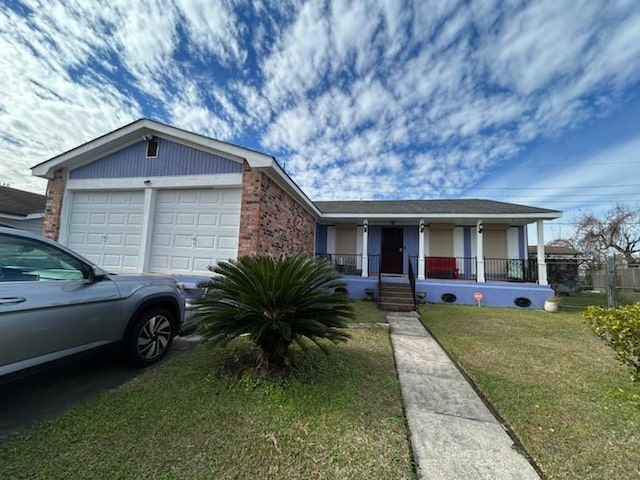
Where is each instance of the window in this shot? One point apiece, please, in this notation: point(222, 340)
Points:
point(26, 260)
point(152, 148)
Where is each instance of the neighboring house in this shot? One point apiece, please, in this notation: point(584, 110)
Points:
point(149, 197)
point(563, 266)
point(20, 209)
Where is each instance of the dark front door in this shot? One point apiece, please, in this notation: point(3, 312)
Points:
point(392, 250)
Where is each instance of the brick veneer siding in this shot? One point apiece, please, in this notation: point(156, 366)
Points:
point(271, 221)
point(53, 206)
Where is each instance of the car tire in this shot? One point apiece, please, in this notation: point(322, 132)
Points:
point(149, 337)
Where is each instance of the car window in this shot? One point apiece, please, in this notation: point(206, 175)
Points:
point(26, 260)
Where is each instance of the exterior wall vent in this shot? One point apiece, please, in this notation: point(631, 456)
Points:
point(448, 298)
point(152, 148)
point(522, 302)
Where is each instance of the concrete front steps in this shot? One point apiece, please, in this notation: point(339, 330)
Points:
point(396, 297)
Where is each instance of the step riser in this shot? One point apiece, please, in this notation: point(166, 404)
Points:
point(396, 297)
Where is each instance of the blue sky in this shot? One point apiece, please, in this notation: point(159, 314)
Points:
point(527, 102)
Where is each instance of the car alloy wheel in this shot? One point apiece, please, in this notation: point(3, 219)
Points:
point(154, 337)
point(150, 337)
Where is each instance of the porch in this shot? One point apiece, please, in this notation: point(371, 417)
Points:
point(508, 282)
point(459, 292)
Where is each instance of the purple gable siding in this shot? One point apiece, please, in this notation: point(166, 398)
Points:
point(173, 159)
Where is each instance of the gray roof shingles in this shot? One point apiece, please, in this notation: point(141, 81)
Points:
point(426, 207)
point(20, 203)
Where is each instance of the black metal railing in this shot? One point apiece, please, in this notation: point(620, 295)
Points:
point(451, 268)
point(412, 280)
point(510, 270)
point(413, 261)
point(345, 263)
point(379, 287)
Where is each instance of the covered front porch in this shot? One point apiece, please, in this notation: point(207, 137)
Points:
point(481, 252)
point(454, 251)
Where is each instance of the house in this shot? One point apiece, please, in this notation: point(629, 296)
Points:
point(563, 267)
point(149, 197)
point(20, 209)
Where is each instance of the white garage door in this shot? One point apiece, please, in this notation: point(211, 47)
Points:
point(194, 229)
point(106, 227)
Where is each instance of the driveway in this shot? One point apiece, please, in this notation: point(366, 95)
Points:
point(51, 392)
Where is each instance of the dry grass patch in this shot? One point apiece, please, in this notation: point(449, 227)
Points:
point(556, 385)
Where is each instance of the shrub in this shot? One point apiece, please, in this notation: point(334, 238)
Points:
point(620, 328)
point(275, 302)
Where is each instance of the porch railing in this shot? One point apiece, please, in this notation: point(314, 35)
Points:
point(351, 263)
point(510, 269)
point(412, 281)
point(452, 268)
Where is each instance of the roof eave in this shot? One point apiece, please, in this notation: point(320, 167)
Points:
point(418, 216)
point(133, 133)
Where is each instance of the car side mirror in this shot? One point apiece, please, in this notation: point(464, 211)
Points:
point(96, 274)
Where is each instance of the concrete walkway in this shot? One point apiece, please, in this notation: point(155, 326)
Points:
point(453, 433)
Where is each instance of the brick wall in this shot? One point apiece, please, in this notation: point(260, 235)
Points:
point(53, 206)
point(272, 222)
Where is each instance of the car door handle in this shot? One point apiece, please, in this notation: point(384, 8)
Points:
point(12, 300)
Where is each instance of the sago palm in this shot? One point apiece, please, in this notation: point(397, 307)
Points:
point(275, 302)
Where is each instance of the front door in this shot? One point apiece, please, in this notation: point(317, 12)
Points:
point(392, 250)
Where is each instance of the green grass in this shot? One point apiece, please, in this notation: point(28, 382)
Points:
point(585, 299)
point(338, 416)
point(367, 312)
point(560, 388)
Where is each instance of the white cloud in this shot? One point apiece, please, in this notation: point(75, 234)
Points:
point(359, 99)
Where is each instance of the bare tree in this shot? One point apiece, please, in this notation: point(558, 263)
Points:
point(617, 232)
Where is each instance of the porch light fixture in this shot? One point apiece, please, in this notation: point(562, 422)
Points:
point(421, 226)
point(365, 226)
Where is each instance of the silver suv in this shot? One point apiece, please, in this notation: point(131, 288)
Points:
point(55, 304)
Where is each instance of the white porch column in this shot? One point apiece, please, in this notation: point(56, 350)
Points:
point(421, 250)
point(365, 248)
point(542, 264)
point(480, 278)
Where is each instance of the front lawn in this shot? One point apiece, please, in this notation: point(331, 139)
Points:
point(560, 388)
point(338, 416)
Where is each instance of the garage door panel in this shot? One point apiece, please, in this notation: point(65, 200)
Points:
point(231, 197)
point(206, 241)
point(183, 241)
point(94, 258)
point(202, 264)
point(114, 240)
point(227, 243)
point(94, 239)
point(106, 227)
point(162, 240)
point(208, 219)
point(133, 240)
point(186, 219)
point(98, 219)
point(229, 220)
point(180, 263)
point(159, 263)
point(135, 219)
point(195, 220)
point(117, 219)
